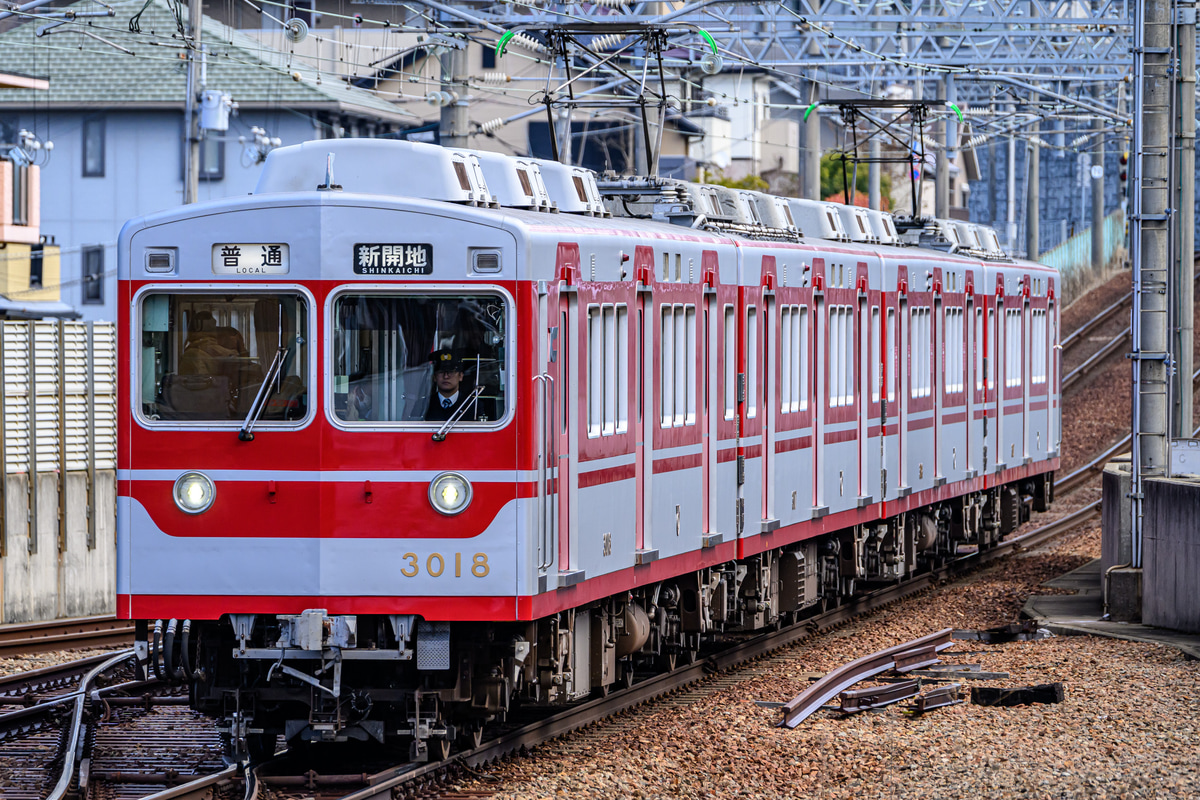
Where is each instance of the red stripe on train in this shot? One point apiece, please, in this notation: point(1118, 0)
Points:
point(599, 477)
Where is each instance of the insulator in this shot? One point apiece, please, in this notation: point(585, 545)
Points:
point(974, 141)
point(1078, 140)
point(493, 78)
point(607, 41)
point(491, 125)
point(609, 3)
point(528, 42)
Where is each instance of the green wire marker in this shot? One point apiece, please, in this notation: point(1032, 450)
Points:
point(957, 111)
point(709, 39)
point(502, 45)
point(809, 110)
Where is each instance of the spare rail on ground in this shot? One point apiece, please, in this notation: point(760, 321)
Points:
point(803, 705)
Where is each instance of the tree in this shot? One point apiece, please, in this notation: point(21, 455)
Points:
point(750, 182)
point(833, 186)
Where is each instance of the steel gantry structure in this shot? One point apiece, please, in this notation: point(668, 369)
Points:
point(860, 43)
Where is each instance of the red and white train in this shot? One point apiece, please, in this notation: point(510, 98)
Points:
point(675, 411)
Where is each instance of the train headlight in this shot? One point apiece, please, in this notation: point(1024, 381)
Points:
point(450, 493)
point(194, 493)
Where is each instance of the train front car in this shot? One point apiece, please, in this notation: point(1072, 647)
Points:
point(320, 462)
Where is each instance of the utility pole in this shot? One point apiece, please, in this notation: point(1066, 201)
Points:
point(941, 174)
point(1032, 204)
point(454, 121)
point(874, 192)
point(191, 123)
point(1150, 233)
point(1097, 189)
point(1010, 215)
point(1185, 225)
point(810, 144)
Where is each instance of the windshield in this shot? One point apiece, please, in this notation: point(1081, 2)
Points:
point(418, 358)
point(204, 356)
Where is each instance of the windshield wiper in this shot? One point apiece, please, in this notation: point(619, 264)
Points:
point(467, 405)
point(260, 399)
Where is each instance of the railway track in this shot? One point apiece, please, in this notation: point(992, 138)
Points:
point(1082, 475)
point(86, 729)
point(64, 634)
point(298, 780)
point(1114, 345)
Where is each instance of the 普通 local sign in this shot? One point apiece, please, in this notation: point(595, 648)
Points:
point(250, 259)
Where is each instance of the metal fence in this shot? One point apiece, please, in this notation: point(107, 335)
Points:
point(1075, 254)
point(65, 420)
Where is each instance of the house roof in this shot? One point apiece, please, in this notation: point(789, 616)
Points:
point(148, 69)
point(15, 80)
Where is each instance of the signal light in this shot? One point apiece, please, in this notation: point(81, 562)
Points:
point(1123, 175)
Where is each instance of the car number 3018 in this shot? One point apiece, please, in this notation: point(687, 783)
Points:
point(435, 565)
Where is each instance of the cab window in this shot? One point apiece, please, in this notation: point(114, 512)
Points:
point(204, 357)
point(419, 358)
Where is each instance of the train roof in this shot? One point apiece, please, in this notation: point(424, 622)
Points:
point(547, 197)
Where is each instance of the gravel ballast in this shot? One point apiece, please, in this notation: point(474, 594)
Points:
point(1127, 728)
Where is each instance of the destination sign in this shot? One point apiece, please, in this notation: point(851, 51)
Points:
point(393, 259)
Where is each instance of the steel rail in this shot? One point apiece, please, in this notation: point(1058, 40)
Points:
point(802, 706)
point(63, 634)
point(1104, 316)
point(200, 789)
point(1084, 473)
point(20, 684)
point(1077, 374)
point(74, 738)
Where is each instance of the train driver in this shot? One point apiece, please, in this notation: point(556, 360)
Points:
point(449, 389)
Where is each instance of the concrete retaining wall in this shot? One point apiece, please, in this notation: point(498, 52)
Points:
point(1171, 554)
point(1116, 547)
point(72, 581)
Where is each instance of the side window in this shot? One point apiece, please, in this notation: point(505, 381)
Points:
point(678, 355)
point(979, 349)
point(1012, 347)
point(786, 367)
point(841, 356)
point(994, 337)
point(1038, 353)
point(608, 370)
point(954, 350)
point(751, 362)
point(730, 377)
point(802, 339)
point(889, 348)
point(875, 366)
point(793, 358)
point(919, 349)
point(595, 376)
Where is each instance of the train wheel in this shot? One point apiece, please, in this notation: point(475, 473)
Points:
point(439, 749)
point(471, 738)
point(668, 661)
